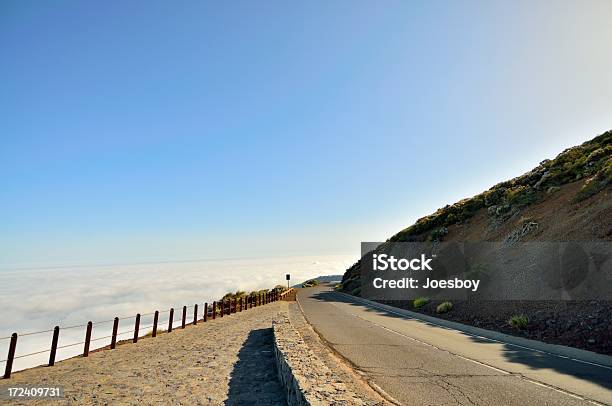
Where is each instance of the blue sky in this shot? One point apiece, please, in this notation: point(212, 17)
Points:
point(149, 130)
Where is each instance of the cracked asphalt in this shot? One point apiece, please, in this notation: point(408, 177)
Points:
point(417, 363)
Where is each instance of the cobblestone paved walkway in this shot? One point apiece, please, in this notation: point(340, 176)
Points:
point(228, 361)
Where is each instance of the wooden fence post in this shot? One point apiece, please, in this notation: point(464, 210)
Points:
point(170, 320)
point(184, 316)
point(155, 319)
point(11, 356)
point(136, 327)
point(214, 310)
point(87, 339)
point(114, 335)
point(205, 312)
point(54, 346)
point(195, 314)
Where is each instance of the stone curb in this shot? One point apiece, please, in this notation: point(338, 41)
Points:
point(552, 349)
point(305, 378)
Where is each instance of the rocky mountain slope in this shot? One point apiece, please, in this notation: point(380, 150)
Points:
point(564, 199)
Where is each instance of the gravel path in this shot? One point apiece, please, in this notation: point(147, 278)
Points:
point(229, 361)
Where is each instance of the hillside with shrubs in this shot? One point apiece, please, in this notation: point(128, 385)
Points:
point(562, 199)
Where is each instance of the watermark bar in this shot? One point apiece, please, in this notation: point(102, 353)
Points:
point(491, 271)
point(22, 392)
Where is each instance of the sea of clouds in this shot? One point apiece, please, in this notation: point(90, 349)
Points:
point(39, 299)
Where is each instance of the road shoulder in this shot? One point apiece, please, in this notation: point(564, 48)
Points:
point(379, 342)
point(354, 382)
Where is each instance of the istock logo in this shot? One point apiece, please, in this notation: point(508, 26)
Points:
point(385, 262)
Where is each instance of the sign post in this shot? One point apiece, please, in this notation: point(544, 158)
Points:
point(288, 278)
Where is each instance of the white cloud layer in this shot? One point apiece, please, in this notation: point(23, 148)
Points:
point(34, 300)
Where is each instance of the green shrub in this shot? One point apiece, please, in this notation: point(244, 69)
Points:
point(519, 321)
point(444, 307)
point(438, 233)
point(356, 292)
point(419, 302)
point(493, 196)
point(521, 196)
point(233, 296)
point(597, 183)
point(477, 271)
point(338, 287)
point(310, 283)
point(552, 189)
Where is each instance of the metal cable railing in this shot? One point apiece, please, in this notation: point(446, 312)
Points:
point(221, 308)
point(71, 345)
point(31, 333)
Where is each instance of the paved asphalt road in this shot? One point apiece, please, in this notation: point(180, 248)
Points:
point(417, 363)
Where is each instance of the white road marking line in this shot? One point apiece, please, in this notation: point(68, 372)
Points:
point(429, 344)
point(520, 376)
point(385, 394)
point(486, 338)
